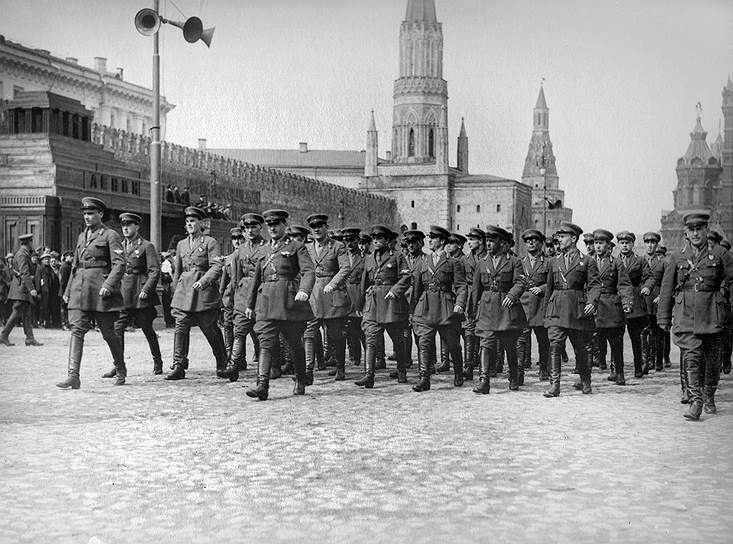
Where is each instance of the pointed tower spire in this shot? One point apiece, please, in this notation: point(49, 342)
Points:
point(540, 153)
point(421, 10)
point(371, 160)
point(698, 148)
point(372, 124)
point(541, 102)
point(462, 162)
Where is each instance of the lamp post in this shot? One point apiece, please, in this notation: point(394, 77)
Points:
point(147, 23)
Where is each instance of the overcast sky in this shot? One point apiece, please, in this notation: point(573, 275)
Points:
point(621, 78)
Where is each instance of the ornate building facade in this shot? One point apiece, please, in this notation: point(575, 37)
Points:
point(114, 102)
point(704, 179)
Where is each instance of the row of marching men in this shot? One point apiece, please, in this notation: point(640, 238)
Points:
point(285, 289)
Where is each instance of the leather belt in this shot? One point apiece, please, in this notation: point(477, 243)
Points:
point(276, 277)
point(697, 288)
point(135, 271)
point(195, 268)
point(382, 282)
point(94, 264)
point(560, 287)
point(329, 276)
point(609, 292)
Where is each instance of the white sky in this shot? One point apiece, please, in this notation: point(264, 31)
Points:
point(622, 80)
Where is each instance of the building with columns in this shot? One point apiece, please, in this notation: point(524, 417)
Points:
point(704, 179)
point(114, 102)
point(416, 171)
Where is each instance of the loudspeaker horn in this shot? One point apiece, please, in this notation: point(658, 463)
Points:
point(147, 21)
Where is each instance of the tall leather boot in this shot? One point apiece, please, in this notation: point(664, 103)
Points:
point(216, 341)
point(286, 354)
point(555, 369)
point(379, 360)
point(367, 380)
point(513, 364)
point(499, 357)
point(484, 384)
point(263, 379)
point(180, 353)
point(237, 352)
point(710, 407)
point(444, 358)
point(310, 359)
point(620, 378)
point(320, 361)
point(276, 359)
point(646, 359)
point(424, 373)
point(157, 365)
point(524, 348)
point(117, 347)
point(339, 355)
point(468, 356)
point(684, 384)
point(228, 338)
point(695, 389)
point(76, 346)
point(666, 342)
point(298, 355)
point(458, 368)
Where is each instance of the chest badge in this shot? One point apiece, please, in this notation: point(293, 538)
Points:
point(389, 265)
point(201, 249)
point(118, 251)
point(711, 257)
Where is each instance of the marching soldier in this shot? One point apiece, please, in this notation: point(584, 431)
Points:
point(439, 295)
point(329, 299)
point(666, 335)
point(573, 289)
point(93, 291)
point(614, 303)
point(642, 283)
point(243, 262)
point(22, 292)
point(226, 290)
point(354, 334)
point(454, 249)
point(139, 298)
point(382, 302)
point(533, 302)
point(278, 301)
point(497, 287)
point(472, 343)
point(692, 300)
point(196, 300)
point(728, 335)
point(652, 340)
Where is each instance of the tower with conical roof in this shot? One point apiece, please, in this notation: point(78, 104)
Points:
point(540, 173)
point(724, 192)
point(462, 160)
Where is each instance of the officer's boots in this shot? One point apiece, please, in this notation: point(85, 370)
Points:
point(180, 357)
point(684, 384)
point(379, 359)
point(298, 357)
point(620, 378)
point(695, 404)
point(444, 358)
point(524, 348)
point(555, 366)
point(468, 361)
point(276, 364)
point(424, 383)
point(367, 380)
point(117, 347)
point(111, 373)
point(157, 365)
point(710, 407)
point(646, 358)
point(484, 384)
point(232, 370)
point(458, 369)
point(310, 359)
point(287, 357)
point(263, 379)
point(499, 357)
point(228, 338)
point(320, 361)
point(339, 349)
point(76, 346)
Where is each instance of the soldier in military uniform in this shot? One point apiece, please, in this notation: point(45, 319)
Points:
point(533, 301)
point(438, 302)
point(329, 299)
point(352, 329)
point(243, 263)
point(226, 290)
point(278, 301)
point(93, 291)
point(196, 299)
point(139, 297)
point(652, 339)
point(573, 289)
point(382, 302)
point(472, 343)
point(614, 303)
point(498, 284)
point(454, 249)
point(642, 283)
point(696, 287)
point(728, 334)
point(22, 291)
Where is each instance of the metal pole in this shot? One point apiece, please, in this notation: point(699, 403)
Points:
point(155, 192)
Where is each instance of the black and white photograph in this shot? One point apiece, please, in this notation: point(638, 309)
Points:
point(366, 271)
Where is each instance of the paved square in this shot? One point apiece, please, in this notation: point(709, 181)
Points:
point(198, 461)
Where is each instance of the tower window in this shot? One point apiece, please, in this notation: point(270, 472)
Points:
point(431, 144)
point(498, 207)
point(478, 208)
point(458, 208)
point(411, 144)
point(413, 225)
point(412, 204)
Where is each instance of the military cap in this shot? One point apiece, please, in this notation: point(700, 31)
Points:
point(602, 234)
point(252, 218)
point(725, 244)
point(589, 238)
point(696, 218)
point(566, 227)
point(129, 217)
point(350, 232)
point(193, 211)
point(316, 219)
point(626, 235)
point(477, 233)
point(662, 250)
point(93, 203)
point(46, 255)
point(438, 232)
point(652, 236)
point(275, 215)
point(25, 237)
point(533, 233)
point(715, 236)
point(413, 234)
point(365, 239)
point(299, 230)
point(456, 238)
point(493, 231)
point(66, 254)
point(235, 232)
point(381, 230)
point(55, 254)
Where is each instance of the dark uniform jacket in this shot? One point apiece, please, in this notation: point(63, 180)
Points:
point(244, 262)
point(64, 275)
point(491, 284)
point(226, 286)
point(197, 259)
point(656, 268)
point(616, 292)
point(21, 284)
point(569, 289)
point(353, 282)
point(98, 262)
point(436, 289)
point(534, 276)
point(142, 271)
point(284, 269)
point(640, 276)
point(384, 272)
point(470, 262)
point(332, 268)
point(695, 292)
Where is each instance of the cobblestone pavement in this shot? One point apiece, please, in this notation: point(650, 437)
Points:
point(198, 461)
